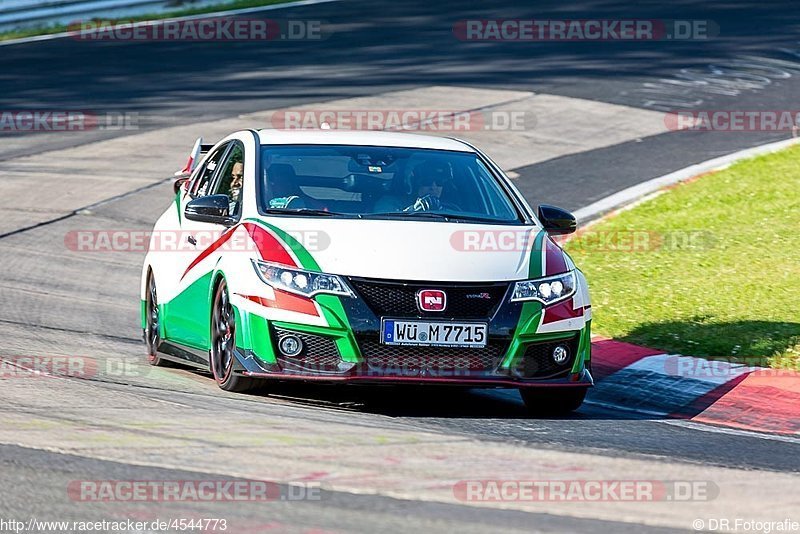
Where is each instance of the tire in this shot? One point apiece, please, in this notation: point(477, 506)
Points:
point(223, 344)
point(151, 332)
point(552, 401)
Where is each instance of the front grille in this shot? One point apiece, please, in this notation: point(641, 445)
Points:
point(397, 299)
point(537, 361)
point(413, 361)
point(319, 353)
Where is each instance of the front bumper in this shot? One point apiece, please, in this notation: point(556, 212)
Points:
point(349, 349)
point(583, 379)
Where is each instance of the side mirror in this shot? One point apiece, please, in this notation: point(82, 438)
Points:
point(211, 209)
point(557, 221)
point(179, 183)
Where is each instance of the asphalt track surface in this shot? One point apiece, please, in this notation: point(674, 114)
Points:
point(52, 303)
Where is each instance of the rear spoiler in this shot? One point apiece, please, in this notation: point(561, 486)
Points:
point(199, 149)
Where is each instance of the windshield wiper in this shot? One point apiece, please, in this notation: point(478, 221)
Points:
point(474, 218)
point(307, 211)
point(449, 217)
point(422, 214)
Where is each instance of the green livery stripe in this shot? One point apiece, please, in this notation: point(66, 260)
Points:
point(584, 348)
point(253, 334)
point(342, 337)
point(588, 341)
point(331, 305)
point(535, 267)
point(186, 317)
point(334, 313)
point(260, 338)
point(530, 317)
point(526, 328)
point(531, 312)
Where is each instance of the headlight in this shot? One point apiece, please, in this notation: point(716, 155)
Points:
point(548, 290)
point(299, 281)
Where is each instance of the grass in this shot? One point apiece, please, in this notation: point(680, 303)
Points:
point(708, 268)
point(58, 28)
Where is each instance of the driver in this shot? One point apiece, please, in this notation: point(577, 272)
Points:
point(284, 191)
point(237, 178)
point(428, 181)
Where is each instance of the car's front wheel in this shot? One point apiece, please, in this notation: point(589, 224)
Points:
point(552, 401)
point(223, 343)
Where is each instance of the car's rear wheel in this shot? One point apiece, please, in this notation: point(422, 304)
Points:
point(223, 343)
point(152, 321)
point(552, 401)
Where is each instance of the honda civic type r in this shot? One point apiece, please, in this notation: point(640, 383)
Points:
point(366, 257)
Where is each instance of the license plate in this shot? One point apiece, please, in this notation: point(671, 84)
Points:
point(433, 333)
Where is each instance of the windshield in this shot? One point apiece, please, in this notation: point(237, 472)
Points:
point(380, 182)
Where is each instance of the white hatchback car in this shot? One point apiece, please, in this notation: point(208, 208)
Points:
point(365, 257)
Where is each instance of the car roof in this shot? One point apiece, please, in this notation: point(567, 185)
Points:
point(360, 138)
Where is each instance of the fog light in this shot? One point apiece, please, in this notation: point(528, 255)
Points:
point(290, 346)
point(560, 354)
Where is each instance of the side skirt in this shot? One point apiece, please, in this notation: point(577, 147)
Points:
point(184, 355)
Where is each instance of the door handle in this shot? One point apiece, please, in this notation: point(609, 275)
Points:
point(191, 240)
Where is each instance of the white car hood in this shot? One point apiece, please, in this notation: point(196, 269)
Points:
point(413, 250)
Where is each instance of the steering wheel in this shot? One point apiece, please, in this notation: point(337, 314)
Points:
point(431, 203)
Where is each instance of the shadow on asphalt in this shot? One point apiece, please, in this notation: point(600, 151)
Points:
point(756, 339)
point(426, 402)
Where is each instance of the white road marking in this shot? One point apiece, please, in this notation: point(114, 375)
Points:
point(703, 427)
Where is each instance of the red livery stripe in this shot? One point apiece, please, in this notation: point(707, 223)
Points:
point(268, 246)
point(214, 246)
point(286, 301)
point(554, 258)
point(561, 311)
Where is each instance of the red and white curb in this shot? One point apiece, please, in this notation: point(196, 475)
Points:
point(653, 383)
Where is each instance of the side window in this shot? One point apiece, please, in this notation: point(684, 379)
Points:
point(230, 179)
point(203, 179)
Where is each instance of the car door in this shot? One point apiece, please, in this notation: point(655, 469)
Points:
point(187, 317)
